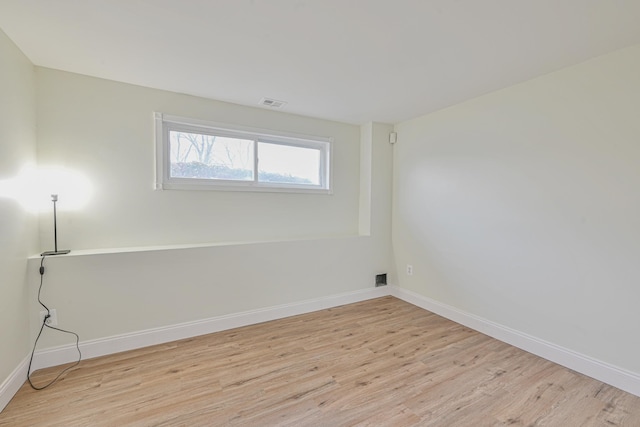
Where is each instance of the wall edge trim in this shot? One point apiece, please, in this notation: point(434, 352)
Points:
point(617, 377)
point(130, 341)
point(13, 383)
point(599, 370)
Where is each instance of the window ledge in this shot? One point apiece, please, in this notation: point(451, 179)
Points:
point(238, 187)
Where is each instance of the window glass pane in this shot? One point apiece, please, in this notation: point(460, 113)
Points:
point(194, 155)
point(286, 164)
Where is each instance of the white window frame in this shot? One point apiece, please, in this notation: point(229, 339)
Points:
point(165, 123)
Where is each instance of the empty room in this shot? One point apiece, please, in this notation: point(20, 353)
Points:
point(319, 213)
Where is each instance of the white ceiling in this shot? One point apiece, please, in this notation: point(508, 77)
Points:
point(348, 60)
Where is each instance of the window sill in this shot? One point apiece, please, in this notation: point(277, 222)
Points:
point(241, 188)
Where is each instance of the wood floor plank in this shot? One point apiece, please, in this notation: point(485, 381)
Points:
point(381, 362)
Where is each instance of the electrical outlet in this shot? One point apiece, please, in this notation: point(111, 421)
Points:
point(53, 317)
point(409, 270)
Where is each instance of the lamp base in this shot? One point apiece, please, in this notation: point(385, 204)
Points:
point(62, 252)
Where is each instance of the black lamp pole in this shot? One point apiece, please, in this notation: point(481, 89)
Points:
point(54, 198)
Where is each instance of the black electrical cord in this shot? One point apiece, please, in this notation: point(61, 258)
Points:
point(44, 324)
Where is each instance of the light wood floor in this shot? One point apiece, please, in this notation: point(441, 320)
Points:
point(377, 363)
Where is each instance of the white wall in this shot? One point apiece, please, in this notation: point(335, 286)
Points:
point(17, 226)
point(523, 207)
point(105, 130)
point(305, 246)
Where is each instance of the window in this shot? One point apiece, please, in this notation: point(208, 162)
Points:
point(196, 155)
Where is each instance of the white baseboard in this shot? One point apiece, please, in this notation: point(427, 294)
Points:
point(100, 347)
point(601, 371)
point(617, 377)
point(13, 382)
point(115, 344)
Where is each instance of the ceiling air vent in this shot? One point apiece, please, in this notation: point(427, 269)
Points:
point(273, 103)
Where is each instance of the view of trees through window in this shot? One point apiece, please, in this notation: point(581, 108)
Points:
point(210, 157)
point(203, 156)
